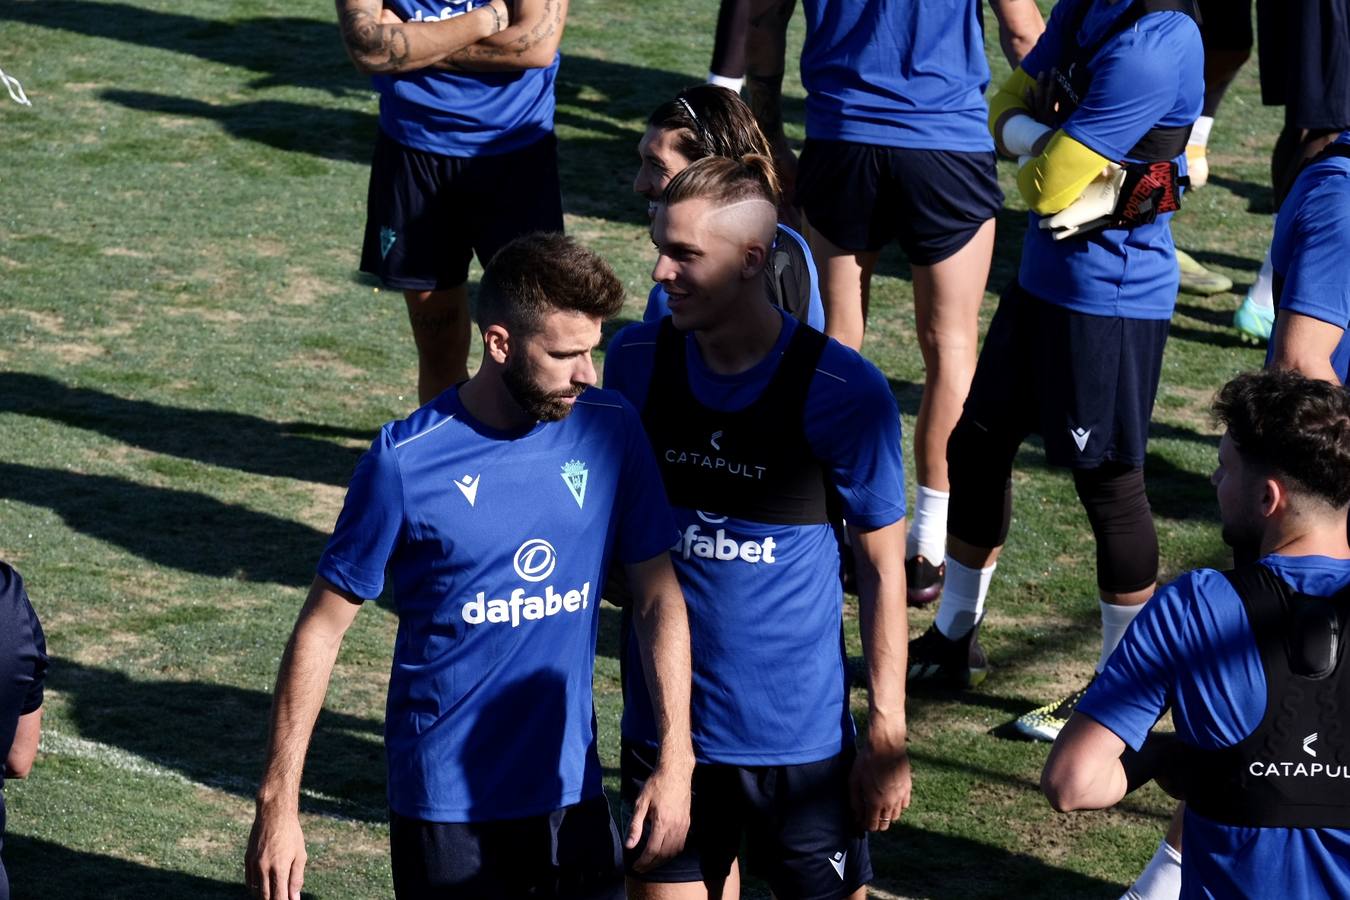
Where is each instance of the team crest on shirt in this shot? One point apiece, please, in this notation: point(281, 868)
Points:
point(574, 475)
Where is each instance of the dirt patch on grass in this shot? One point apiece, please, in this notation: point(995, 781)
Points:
point(48, 323)
point(324, 505)
point(74, 353)
point(325, 362)
point(125, 252)
point(302, 288)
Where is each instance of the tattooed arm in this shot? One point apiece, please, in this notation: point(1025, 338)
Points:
point(530, 41)
point(765, 49)
point(378, 44)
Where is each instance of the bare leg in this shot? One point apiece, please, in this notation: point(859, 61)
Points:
point(845, 285)
point(730, 889)
point(440, 326)
point(947, 298)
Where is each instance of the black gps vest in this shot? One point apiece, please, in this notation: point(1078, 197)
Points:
point(1293, 771)
point(753, 463)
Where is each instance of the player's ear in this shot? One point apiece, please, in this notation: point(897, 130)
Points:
point(753, 260)
point(497, 344)
point(1274, 497)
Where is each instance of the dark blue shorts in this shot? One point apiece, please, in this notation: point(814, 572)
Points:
point(1085, 384)
point(427, 214)
point(573, 853)
point(1303, 49)
point(861, 197)
point(795, 820)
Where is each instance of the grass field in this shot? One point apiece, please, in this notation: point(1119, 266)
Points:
point(192, 366)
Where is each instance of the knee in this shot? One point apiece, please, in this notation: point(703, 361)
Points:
point(1122, 522)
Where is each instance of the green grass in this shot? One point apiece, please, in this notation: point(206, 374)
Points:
point(192, 367)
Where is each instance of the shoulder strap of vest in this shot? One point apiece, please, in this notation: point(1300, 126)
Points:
point(669, 379)
point(1138, 9)
point(1308, 628)
point(792, 379)
point(1331, 151)
point(1265, 596)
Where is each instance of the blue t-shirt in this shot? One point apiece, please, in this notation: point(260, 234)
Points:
point(1311, 250)
point(464, 113)
point(898, 73)
point(1191, 649)
point(815, 312)
point(769, 681)
point(1151, 74)
point(23, 666)
point(496, 544)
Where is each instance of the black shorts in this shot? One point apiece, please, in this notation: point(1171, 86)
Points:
point(573, 853)
point(861, 197)
point(1226, 24)
point(1304, 49)
point(1085, 384)
point(796, 821)
point(427, 214)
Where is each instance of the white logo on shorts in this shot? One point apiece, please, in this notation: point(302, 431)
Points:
point(1080, 437)
point(535, 560)
point(837, 862)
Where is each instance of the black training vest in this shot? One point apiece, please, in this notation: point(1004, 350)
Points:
point(1072, 78)
point(1293, 771)
point(753, 463)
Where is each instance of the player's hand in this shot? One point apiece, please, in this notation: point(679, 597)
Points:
point(879, 785)
point(663, 809)
point(274, 867)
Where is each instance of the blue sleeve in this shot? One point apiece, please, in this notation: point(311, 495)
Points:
point(369, 525)
point(1190, 649)
point(1135, 84)
point(32, 700)
point(853, 425)
point(646, 526)
point(23, 654)
point(656, 304)
point(1316, 255)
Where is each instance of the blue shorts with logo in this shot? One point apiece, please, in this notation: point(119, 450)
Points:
point(1084, 383)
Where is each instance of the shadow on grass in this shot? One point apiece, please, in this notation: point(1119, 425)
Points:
point(1260, 198)
point(912, 862)
point(172, 528)
point(341, 135)
point(216, 735)
point(40, 870)
point(232, 440)
point(1179, 494)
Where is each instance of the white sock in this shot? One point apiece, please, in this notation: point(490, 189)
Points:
point(1200, 131)
point(1115, 619)
point(928, 527)
point(962, 599)
point(1262, 292)
point(726, 81)
point(1161, 878)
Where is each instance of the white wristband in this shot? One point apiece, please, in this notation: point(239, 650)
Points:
point(732, 84)
point(1021, 132)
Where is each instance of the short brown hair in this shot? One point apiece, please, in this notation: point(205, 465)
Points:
point(542, 273)
point(725, 181)
point(1292, 426)
point(715, 122)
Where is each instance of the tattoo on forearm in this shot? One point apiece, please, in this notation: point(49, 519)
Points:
point(549, 23)
point(433, 323)
point(379, 48)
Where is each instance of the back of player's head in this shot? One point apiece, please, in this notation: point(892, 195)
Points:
point(542, 273)
point(725, 181)
point(1292, 426)
point(711, 121)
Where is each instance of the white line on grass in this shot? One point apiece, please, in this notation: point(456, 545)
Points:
point(58, 744)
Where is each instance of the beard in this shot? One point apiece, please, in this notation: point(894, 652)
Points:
point(538, 403)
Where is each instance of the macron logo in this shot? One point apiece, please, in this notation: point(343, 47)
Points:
point(1307, 744)
point(1080, 437)
point(837, 863)
point(468, 486)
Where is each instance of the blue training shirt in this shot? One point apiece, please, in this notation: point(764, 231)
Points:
point(1311, 251)
point(1152, 74)
point(496, 545)
point(657, 300)
point(464, 113)
point(23, 666)
point(769, 678)
point(1191, 649)
point(898, 73)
